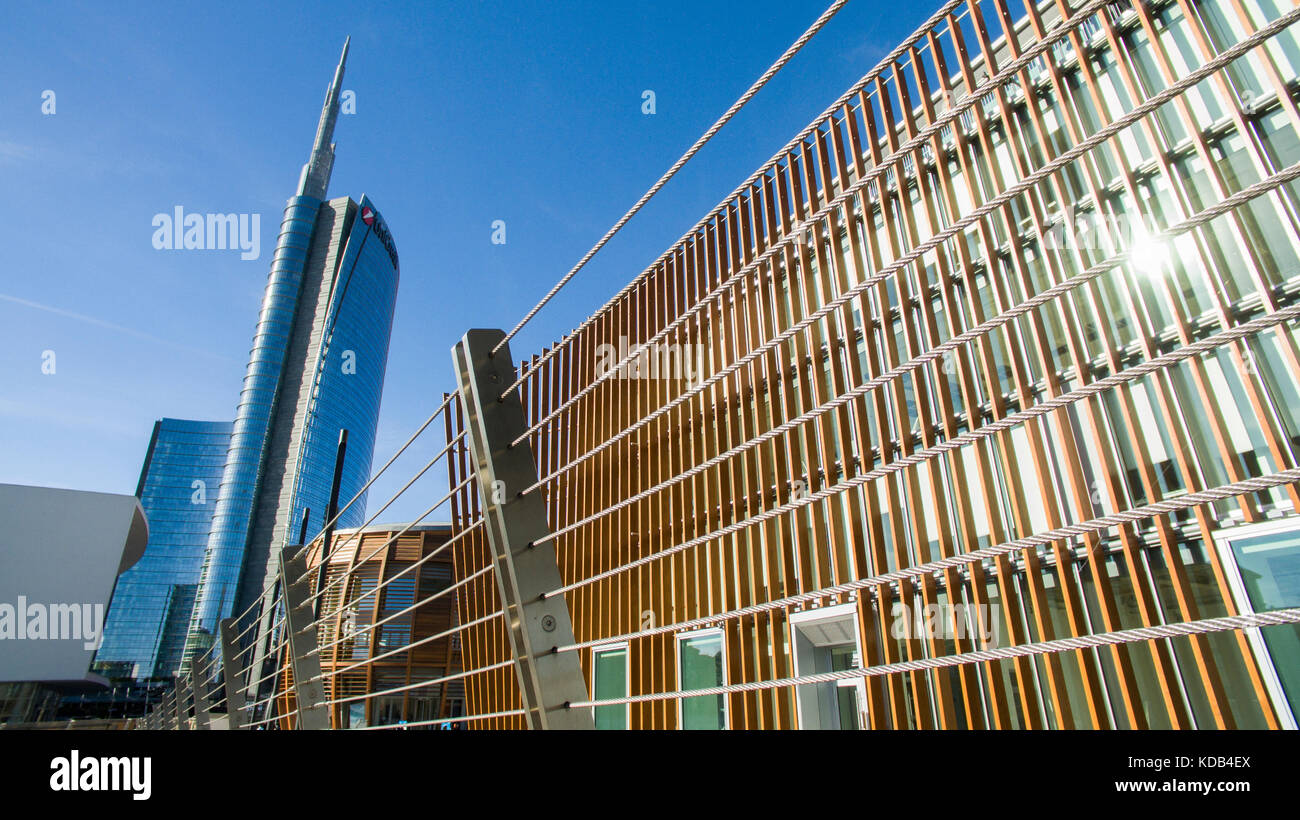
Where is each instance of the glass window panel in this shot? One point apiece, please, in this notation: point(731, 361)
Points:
point(699, 667)
point(609, 680)
point(1270, 573)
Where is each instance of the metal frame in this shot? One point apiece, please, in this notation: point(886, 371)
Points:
point(548, 682)
point(172, 710)
point(300, 629)
point(680, 638)
point(806, 617)
point(939, 130)
point(183, 702)
point(199, 697)
point(627, 673)
point(1223, 543)
point(232, 671)
point(264, 658)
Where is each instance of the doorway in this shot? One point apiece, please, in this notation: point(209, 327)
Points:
point(826, 640)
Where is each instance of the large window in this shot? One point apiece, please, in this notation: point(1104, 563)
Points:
point(609, 680)
point(1266, 558)
point(700, 665)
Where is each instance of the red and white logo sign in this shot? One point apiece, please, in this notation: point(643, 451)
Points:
point(368, 216)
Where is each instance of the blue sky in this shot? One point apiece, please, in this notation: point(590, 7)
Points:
point(466, 113)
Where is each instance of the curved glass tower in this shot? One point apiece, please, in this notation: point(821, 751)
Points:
point(316, 367)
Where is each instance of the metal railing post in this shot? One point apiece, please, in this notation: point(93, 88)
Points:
point(170, 711)
point(331, 511)
point(182, 702)
point(263, 641)
point(231, 672)
point(548, 681)
point(300, 629)
point(199, 697)
point(156, 713)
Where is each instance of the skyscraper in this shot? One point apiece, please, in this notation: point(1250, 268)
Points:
point(149, 614)
point(316, 367)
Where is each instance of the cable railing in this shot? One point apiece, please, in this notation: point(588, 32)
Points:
point(829, 465)
point(583, 540)
point(951, 12)
point(1181, 354)
point(420, 684)
point(352, 636)
point(348, 589)
point(726, 117)
point(407, 528)
point(1204, 627)
point(893, 268)
point(857, 188)
point(262, 634)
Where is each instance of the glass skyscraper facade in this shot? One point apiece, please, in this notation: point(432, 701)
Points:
point(348, 374)
point(149, 613)
point(316, 367)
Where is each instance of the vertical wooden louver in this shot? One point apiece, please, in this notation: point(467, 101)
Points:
point(888, 168)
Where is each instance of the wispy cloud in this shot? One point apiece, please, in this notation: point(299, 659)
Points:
point(91, 320)
point(14, 151)
point(61, 417)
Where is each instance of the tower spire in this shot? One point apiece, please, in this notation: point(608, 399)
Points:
point(315, 177)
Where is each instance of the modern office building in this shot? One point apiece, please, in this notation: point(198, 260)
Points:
point(149, 615)
point(316, 368)
point(368, 621)
point(1038, 270)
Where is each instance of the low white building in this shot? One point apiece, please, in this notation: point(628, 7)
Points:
point(60, 554)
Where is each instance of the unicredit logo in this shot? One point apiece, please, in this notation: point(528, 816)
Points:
point(375, 222)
